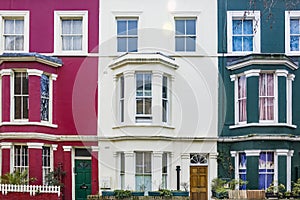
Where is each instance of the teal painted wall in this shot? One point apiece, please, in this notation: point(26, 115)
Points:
point(252, 172)
point(282, 170)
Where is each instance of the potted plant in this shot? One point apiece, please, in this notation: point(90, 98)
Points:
point(122, 194)
point(296, 189)
point(140, 192)
point(218, 188)
point(275, 191)
point(181, 193)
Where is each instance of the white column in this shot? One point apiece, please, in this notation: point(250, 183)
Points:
point(289, 169)
point(129, 97)
point(213, 170)
point(157, 170)
point(157, 97)
point(236, 166)
point(185, 168)
point(129, 170)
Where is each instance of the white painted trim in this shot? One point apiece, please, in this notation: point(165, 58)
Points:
point(288, 15)
point(35, 145)
point(289, 170)
point(262, 124)
point(15, 13)
point(34, 72)
point(281, 72)
point(186, 14)
point(252, 152)
point(67, 148)
point(95, 148)
point(6, 72)
point(117, 13)
point(255, 16)
point(29, 59)
point(58, 15)
point(282, 152)
point(0, 105)
point(54, 147)
point(27, 123)
point(6, 145)
point(287, 63)
point(252, 72)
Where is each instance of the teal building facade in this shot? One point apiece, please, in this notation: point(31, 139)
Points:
point(259, 51)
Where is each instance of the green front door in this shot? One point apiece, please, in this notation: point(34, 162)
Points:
point(83, 177)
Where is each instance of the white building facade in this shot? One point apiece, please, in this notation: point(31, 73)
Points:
point(158, 83)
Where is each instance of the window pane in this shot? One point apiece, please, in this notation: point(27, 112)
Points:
point(248, 43)
point(77, 43)
point(237, 27)
point(139, 84)
point(132, 27)
point(122, 87)
point(179, 43)
point(9, 42)
point(132, 44)
point(67, 43)
point(19, 41)
point(191, 44)
point(18, 107)
point(139, 162)
point(66, 26)
point(44, 85)
point(17, 83)
point(77, 26)
point(8, 26)
point(25, 107)
point(248, 26)
point(122, 44)
point(139, 106)
point(148, 106)
point(165, 163)
point(164, 111)
point(19, 26)
point(24, 83)
point(148, 84)
point(180, 27)
point(121, 27)
point(294, 45)
point(165, 87)
point(191, 27)
point(147, 160)
point(237, 43)
point(294, 26)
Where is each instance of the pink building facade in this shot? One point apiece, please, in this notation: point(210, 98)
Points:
point(48, 91)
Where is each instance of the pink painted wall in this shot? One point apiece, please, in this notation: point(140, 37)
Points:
point(42, 19)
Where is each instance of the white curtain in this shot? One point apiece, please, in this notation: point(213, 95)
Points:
point(242, 98)
point(266, 96)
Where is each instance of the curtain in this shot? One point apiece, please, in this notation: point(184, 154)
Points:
point(266, 96)
point(242, 98)
point(243, 169)
point(266, 169)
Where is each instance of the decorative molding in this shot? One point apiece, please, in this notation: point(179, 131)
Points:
point(67, 148)
point(287, 63)
point(252, 72)
point(213, 155)
point(185, 156)
point(282, 152)
point(54, 147)
point(291, 77)
point(252, 152)
point(233, 153)
point(262, 124)
point(281, 72)
point(157, 154)
point(128, 154)
point(95, 148)
point(35, 145)
point(233, 77)
point(54, 77)
point(34, 72)
point(6, 145)
point(128, 73)
point(6, 72)
point(26, 123)
point(117, 13)
point(29, 59)
point(291, 153)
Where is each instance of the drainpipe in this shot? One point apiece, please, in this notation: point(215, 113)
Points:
point(178, 177)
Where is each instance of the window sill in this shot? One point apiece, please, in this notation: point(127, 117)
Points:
point(22, 123)
point(144, 125)
point(262, 125)
point(75, 53)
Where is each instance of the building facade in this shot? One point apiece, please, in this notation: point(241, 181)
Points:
point(158, 95)
point(258, 111)
point(48, 90)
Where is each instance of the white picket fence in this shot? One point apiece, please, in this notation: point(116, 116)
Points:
point(32, 189)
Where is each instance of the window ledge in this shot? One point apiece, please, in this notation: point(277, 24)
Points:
point(75, 53)
point(262, 125)
point(143, 125)
point(29, 124)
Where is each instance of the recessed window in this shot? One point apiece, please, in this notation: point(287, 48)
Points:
point(46, 163)
point(242, 98)
point(21, 159)
point(122, 169)
point(266, 96)
point(45, 97)
point(164, 183)
point(185, 34)
point(266, 170)
point(243, 31)
point(165, 99)
point(71, 32)
point(143, 171)
point(14, 31)
point(143, 97)
point(127, 35)
point(21, 95)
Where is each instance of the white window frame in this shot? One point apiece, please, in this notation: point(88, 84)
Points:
point(128, 36)
point(167, 100)
point(252, 15)
point(12, 91)
point(275, 102)
point(22, 167)
point(58, 15)
point(185, 36)
point(14, 14)
point(290, 15)
point(121, 99)
point(47, 168)
point(143, 163)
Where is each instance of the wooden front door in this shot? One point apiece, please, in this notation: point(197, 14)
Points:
point(198, 182)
